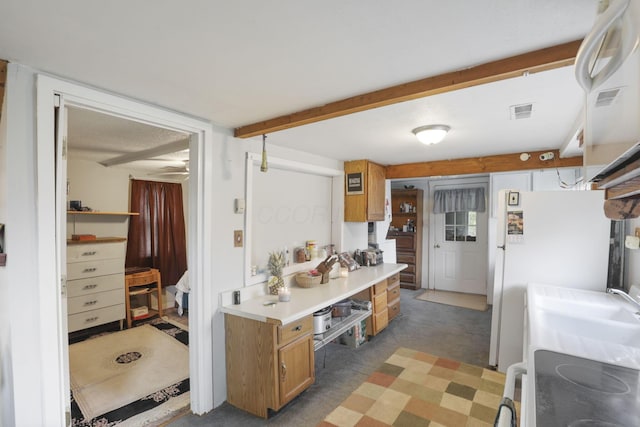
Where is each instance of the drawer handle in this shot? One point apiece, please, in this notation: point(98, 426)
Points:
point(395, 308)
point(87, 287)
point(283, 368)
point(297, 328)
point(89, 270)
point(91, 302)
point(91, 319)
point(89, 253)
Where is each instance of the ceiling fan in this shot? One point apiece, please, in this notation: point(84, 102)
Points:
point(173, 171)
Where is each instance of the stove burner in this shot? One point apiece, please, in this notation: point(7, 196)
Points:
point(592, 379)
point(593, 423)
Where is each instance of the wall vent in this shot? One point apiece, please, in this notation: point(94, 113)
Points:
point(522, 111)
point(607, 97)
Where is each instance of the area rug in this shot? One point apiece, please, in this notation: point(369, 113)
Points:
point(458, 299)
point(417, 389)
point(117, 377)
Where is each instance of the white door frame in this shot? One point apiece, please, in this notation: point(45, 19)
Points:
point(54, 332)
point(450, 183)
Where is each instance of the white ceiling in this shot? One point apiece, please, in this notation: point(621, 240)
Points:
point(235, 63)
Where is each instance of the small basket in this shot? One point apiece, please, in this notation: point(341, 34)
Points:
point(305, 280)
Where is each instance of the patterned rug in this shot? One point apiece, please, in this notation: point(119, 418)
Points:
point(416, 389)
point(156, 405)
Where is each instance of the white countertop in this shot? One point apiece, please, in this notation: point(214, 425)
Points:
point(306, 301)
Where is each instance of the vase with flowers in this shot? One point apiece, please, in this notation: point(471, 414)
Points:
point(275, 266)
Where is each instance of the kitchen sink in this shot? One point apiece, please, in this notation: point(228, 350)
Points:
point(591, 324)
point(608, 309)
point(600, 329)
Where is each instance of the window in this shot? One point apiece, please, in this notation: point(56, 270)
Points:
point(460, 226)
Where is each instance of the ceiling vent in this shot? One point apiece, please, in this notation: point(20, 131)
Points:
point(522, 111)
point(607, 97)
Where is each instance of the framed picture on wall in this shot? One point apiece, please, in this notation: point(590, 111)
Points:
point(355, 184)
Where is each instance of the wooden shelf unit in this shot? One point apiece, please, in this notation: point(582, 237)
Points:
point(135, 284)
point(408, 243)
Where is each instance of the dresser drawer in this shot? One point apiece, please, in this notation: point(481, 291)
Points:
point(293, 330)
point(78, 287)
point(380, 287)
point(405, 258)
point(393, 280)
point(380, 320)
point(407, 277)
point(97, 317)
point(94, 251)
point(95, 301)
point(393, 292)
point(81, 270)
point(379, 302)
point(394, 309)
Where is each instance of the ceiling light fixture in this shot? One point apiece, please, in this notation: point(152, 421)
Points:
point(431, 134)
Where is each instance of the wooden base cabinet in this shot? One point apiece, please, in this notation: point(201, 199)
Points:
point(393, 296)
point(379, 318)
point(267, 364)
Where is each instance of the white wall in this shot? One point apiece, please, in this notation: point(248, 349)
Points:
point(23, 405)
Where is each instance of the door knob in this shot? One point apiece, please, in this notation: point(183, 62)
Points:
point(436, 246)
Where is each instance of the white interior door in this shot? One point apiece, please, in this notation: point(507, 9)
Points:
point(460, 252)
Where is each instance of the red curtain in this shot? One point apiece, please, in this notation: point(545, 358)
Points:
point(157, 236)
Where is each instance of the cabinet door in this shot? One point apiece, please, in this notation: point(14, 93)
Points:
point(296, 368)
point(375, 192)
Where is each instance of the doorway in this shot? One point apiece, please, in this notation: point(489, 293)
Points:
point(104, 154)
point(51, 93)
point(458, 243)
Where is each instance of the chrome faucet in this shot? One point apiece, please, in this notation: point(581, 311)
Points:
point(624, 295)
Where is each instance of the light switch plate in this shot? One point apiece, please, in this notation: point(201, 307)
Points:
point(237, 238)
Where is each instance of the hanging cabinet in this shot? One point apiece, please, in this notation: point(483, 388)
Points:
point(367, 204)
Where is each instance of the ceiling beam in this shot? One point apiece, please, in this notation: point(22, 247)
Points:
point(3, 79)
point(531, 62)
point(161, 150)
point(474, 165)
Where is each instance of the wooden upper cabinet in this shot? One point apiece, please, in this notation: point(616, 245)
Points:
point(364, 191)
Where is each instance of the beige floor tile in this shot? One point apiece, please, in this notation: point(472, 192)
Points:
point(394, 398)
point(398, 360)
point(370, 390)
point(383, 412)
point(343, 417)
point(436, 383)
point(496, 377)
point(487, 399)
point(456, 403)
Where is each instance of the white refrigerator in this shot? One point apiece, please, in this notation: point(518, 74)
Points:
point(553, 237)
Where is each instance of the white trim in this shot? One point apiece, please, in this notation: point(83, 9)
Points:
point(200, 212)
point(289, 165)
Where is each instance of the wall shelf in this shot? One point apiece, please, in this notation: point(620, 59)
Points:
point(102, 213)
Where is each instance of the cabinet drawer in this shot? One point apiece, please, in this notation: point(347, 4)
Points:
point(407, 277)
point(407, 241)
point(95, 301)
point(393, 280)
point(379, 302)
point(393, 292)
point(405, 258)
point(380, 287)
point(95, 317)
point(94, 251)
point(146, 278)
point(380, 320)
point(81, 270)
point(393, 308)
point(411, 268)
point(293, 330)
point(78, 287)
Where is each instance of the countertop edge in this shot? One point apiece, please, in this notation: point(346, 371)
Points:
point(250, 309)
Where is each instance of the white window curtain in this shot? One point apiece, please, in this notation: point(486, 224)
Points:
point(459, 200)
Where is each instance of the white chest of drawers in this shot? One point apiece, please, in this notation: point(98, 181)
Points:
point(95, 283)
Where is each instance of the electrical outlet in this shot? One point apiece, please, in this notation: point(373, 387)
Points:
point(237, 238)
